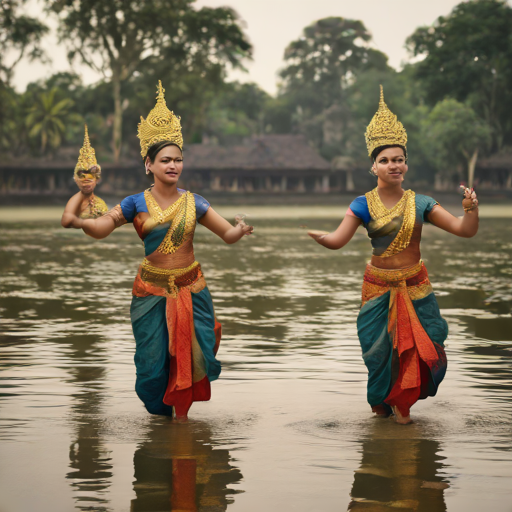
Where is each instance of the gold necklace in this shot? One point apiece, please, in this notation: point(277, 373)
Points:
point(381, 216)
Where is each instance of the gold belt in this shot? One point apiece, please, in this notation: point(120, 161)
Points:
point(395, 274)
point(171, 279)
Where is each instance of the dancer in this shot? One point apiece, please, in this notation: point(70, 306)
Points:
point(87, 174)
point(400, 328)
point(177, 335)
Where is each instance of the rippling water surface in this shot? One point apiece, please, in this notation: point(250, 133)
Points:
point(288, 427)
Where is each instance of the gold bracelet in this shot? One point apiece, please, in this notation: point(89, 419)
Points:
point(466, 210)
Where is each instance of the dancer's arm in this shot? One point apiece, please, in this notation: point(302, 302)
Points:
point(96, 228)
point(466, 226)
point(222, 228)
point(341, 237)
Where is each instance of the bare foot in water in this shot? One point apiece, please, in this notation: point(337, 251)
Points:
point(401, 420)
point(381, 411)
point(181, 419)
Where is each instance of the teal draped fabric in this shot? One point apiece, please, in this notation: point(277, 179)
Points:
point(376, 345)
point(152, 361)
point(153, 239)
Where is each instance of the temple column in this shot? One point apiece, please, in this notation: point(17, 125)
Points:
point(350, 181)
point(325, 184)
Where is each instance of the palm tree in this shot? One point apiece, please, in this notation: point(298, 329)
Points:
point(47, 118)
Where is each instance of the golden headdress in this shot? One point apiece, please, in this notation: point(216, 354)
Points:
point(385, 128)
point(161, 124)
point(87, 156)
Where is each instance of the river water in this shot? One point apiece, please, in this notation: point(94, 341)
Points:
point(288, 427)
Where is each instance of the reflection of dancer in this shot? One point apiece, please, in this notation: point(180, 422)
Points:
point(177, 469)
point(398, 473)
point(87, 175)
point(400, 327)
point(176, 333)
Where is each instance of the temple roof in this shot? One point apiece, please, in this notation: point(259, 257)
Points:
point(290, 152)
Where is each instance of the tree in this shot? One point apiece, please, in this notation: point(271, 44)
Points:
point(453, 135)
point(119, 37)
point(237, 112)
point(20, 37)
point(48, 118)
point(326, 59)
point(468, 56)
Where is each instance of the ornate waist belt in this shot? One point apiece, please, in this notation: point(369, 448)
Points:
point(394, 276)
point(172, 279)
point(378, 281)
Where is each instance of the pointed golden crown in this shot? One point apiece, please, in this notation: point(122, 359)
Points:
point(161, 124)
point(385, 128)
point(87, 156)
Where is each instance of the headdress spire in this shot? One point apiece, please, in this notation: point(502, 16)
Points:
point(385, 128)
point(161, 124)
point(87, 155)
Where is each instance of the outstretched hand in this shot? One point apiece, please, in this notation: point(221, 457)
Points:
point(240, 222)
point(317, 236)
point(470, 201)
point(246, 230)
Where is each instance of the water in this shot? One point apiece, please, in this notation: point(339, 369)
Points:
point(288, 427)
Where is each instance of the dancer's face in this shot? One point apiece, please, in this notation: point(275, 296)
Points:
point(168, 165)
point(390, 166)
point(87, 180)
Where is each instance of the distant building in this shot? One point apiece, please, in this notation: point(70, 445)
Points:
point(269, 164)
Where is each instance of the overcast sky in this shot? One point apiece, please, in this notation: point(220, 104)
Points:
point(272, 24)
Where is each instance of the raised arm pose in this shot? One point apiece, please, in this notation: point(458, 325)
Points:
point(176, 333)
point(400, 328)
point(87, 174)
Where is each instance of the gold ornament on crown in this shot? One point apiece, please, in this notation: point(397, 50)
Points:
point(87, 156)
point(385, 128)
point(161, 124)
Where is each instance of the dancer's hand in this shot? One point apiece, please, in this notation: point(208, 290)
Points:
point(317, 236)
point(240, 222)
point(246, 230)
point(470, 201)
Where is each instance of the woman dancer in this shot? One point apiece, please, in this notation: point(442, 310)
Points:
point(400, 328)
point(87, 174)
point(174, 324)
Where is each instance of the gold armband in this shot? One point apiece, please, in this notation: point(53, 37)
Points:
point(117, 216)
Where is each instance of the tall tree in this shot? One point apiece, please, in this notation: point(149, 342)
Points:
point(20, 36)
point(453, 135)
point(47, 119)
point(326, 59)
point(468, 56)
point(116, 38)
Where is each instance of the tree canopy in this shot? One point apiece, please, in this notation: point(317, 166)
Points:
point(326, 59)
point(468, 56)
point(20, 37)
point(120, 37)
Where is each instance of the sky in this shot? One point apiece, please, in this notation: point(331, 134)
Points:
point(272, 24)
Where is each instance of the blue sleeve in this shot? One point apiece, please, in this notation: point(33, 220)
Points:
point(202, 206)
point(128, 208)
point(359, 207)
point(428, 204)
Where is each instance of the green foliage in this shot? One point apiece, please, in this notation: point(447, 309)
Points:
point(20, 37)
point(48, 119)
point(468, 56)
point(326, 59)
point(160, 39)
point(319, 81)
point(452, 132)
point(237, 112)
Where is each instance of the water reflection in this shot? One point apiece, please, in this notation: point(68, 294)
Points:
point(90, 462)
point(398, 470)
point(70, 422)
point(177, 469)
